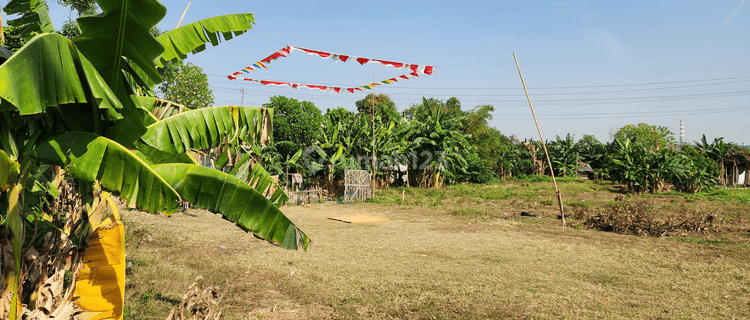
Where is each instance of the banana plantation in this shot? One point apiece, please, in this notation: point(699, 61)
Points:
point(434, 143)
point(81, 129)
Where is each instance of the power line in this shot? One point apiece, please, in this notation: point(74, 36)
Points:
point(621, 115)
point(610, 99)
point(739, 80)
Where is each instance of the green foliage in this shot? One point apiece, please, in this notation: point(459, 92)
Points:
point(82, 7)
point(651, 137)
point(643, 169)
point(59, 109)
point(385, 108)
point(34, 17)
point(564, 156)
point(93, 158)
point(236, 201)
point(70, 29)
point(186, 84)
point(629, 164)
point(727, 156)
point(494, 148)
point(436, 139)
point(294, 121)
point(13, 40)
point(193, 37)
point(592, 152)
point(73, 104)
point(476, 170)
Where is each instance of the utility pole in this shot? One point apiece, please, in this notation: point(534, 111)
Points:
point(242, 100)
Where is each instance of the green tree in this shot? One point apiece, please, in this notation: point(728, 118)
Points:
point(490, 143)
point(70, 29)
point(652, 137)
point(564, 156)
point(704, 172)
point(82, 7)
point(81, 114)
point(186, 84)
point(728, 156)
point(441, 149)
point(453, 108)
point(294, 121)
point(385, 108)
point(643, 169)
point(12, 38)
point(592, 152)
point(447, 110)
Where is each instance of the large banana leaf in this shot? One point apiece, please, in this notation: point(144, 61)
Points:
point(49, 71)
point(116, 42)
point(4, 54)
point(205, 128)
point(89, 158)
point(236, 201)
point(154, 156)
point(193, 37)
point(35, 19)
point(257, 177)
point(160, 108)
point(9, 168)
point(122, 30)
point(261, 180)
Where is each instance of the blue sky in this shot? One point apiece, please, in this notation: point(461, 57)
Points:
point(590, 67)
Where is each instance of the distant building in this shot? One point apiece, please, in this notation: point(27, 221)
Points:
point(585, 171)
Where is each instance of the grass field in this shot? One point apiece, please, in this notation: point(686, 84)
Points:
point(461, 252)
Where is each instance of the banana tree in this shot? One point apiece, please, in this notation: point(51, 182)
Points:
point(718, 151)
point(442, 151)
point(629, 164)
point(564, 155)
point(72, 104)
point(703, 171)
point(667, 166)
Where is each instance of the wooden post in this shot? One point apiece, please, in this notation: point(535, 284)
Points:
point(372, 181)
point(554, 181)
point(2, 35)
point(183, 15)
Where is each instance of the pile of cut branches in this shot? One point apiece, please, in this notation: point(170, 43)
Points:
point(632, 218)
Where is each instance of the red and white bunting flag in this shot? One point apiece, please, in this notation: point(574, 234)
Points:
point(415, 69)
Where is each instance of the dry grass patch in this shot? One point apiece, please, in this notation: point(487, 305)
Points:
point(430, 262)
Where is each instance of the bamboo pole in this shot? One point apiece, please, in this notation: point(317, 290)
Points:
point(372, 184)
point(183, 15)
point(544, 145)
point(2, 35)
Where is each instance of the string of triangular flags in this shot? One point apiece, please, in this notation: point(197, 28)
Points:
point(415, 69)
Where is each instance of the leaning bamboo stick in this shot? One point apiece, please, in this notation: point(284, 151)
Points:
point(183, 15)
point(544, 145)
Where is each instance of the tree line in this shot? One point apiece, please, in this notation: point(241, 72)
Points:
point(436, 142)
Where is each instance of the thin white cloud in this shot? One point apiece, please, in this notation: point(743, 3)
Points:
point(735, 11)
point(608, 42)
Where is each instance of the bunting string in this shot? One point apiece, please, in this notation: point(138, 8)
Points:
point(414, 70)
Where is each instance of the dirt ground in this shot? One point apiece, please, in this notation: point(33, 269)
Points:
point(433, 262)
